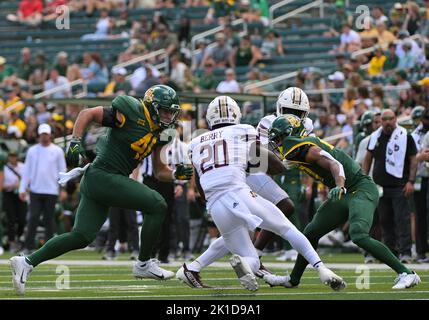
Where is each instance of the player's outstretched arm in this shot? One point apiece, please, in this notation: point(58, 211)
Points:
point(163, 173)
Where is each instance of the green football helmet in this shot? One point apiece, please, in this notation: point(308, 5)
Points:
point(366, 121)
point(282, 127)
point(417, 113)
point(163, 104)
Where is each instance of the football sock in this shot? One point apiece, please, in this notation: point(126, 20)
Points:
point(301, 244)
point(214, 252)
point(150, 233)
point(57, 246)
point(194, 266)
point(379, 251)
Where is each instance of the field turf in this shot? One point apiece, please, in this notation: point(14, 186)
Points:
point(92, 278)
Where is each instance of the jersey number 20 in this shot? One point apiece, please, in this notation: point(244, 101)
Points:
point(213, 154)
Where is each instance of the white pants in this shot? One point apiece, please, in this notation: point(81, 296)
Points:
point(230, 213)
point(266, 187)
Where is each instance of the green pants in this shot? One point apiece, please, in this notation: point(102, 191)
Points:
point(100, 190)
point(358, 207)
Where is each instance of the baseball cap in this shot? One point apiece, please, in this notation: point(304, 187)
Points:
point(44, 128)
point(2, 60)
point(336, 76)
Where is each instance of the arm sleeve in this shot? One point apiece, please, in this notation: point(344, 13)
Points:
point(109, 117)
point(62, 166)
point(299, 153)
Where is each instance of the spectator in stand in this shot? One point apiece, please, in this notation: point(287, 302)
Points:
point(55, 81)
point(140, 46)
point(140, 74)
point(401, 79)
point(397, 15)
point(384, 36)
point(15, 208)
point(229, 85)
point(416, 51)
point(413, 19)
point(376, 64)
point(16, 125)
point(349, 100)
point(408, 60)
point(180, 73)
point(42, 114)
point(392, 59)
point(7, 73)
point(25, 67)
point(221, 53)
point(164, 79)
point(166, 40)
point(52, 11)
point(13, 101)
point(337, 79)
point(333, 127)
point(102, 27)
point(256, 11)
point(198, 58)
point(272, 45)
point(119, 85)
point(363, 97)
point(350, 39)
point(232, 39)
point(220, 11)
point(29, 13)
point(206, 80)
point(149, 81)
point(245, 55)
point(378, 15)
point(339, 18)
point(97, 71)
point(39, 74)
point(62, 63)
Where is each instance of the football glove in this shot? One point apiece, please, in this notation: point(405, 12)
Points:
point(289, 164)
point(183, 172)
point(336, 193)
point(74, 151)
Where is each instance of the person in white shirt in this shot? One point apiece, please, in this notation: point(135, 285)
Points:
point(42, 165)
point(350, 39)
point(15, 208)
point(229, 85)
point(56, 81)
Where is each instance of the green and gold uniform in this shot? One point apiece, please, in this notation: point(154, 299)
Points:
point(106, 183)
point(357, 205)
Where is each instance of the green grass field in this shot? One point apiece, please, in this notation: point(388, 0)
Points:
point(92, 278)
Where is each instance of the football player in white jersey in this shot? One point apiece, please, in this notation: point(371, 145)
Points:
point(294, 101)
point(220, 159)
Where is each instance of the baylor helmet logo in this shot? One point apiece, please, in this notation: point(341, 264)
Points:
point(294, 121)
point(149, 95)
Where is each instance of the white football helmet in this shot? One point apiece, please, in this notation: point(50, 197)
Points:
point(293, 101)
point(223, 109)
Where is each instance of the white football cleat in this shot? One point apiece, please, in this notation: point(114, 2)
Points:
point(275, 280)
point(244, 273)
point(20, 271)
point(331, 279)
point(189, 277)
point(151, 270)
point(405, 281)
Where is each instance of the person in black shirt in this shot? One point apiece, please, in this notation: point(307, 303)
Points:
point(393, 207)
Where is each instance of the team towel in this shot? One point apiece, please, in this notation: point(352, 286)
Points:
point(395, 151)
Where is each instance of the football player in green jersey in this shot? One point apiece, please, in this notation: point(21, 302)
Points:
point(353, 196)
point(134, 128)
